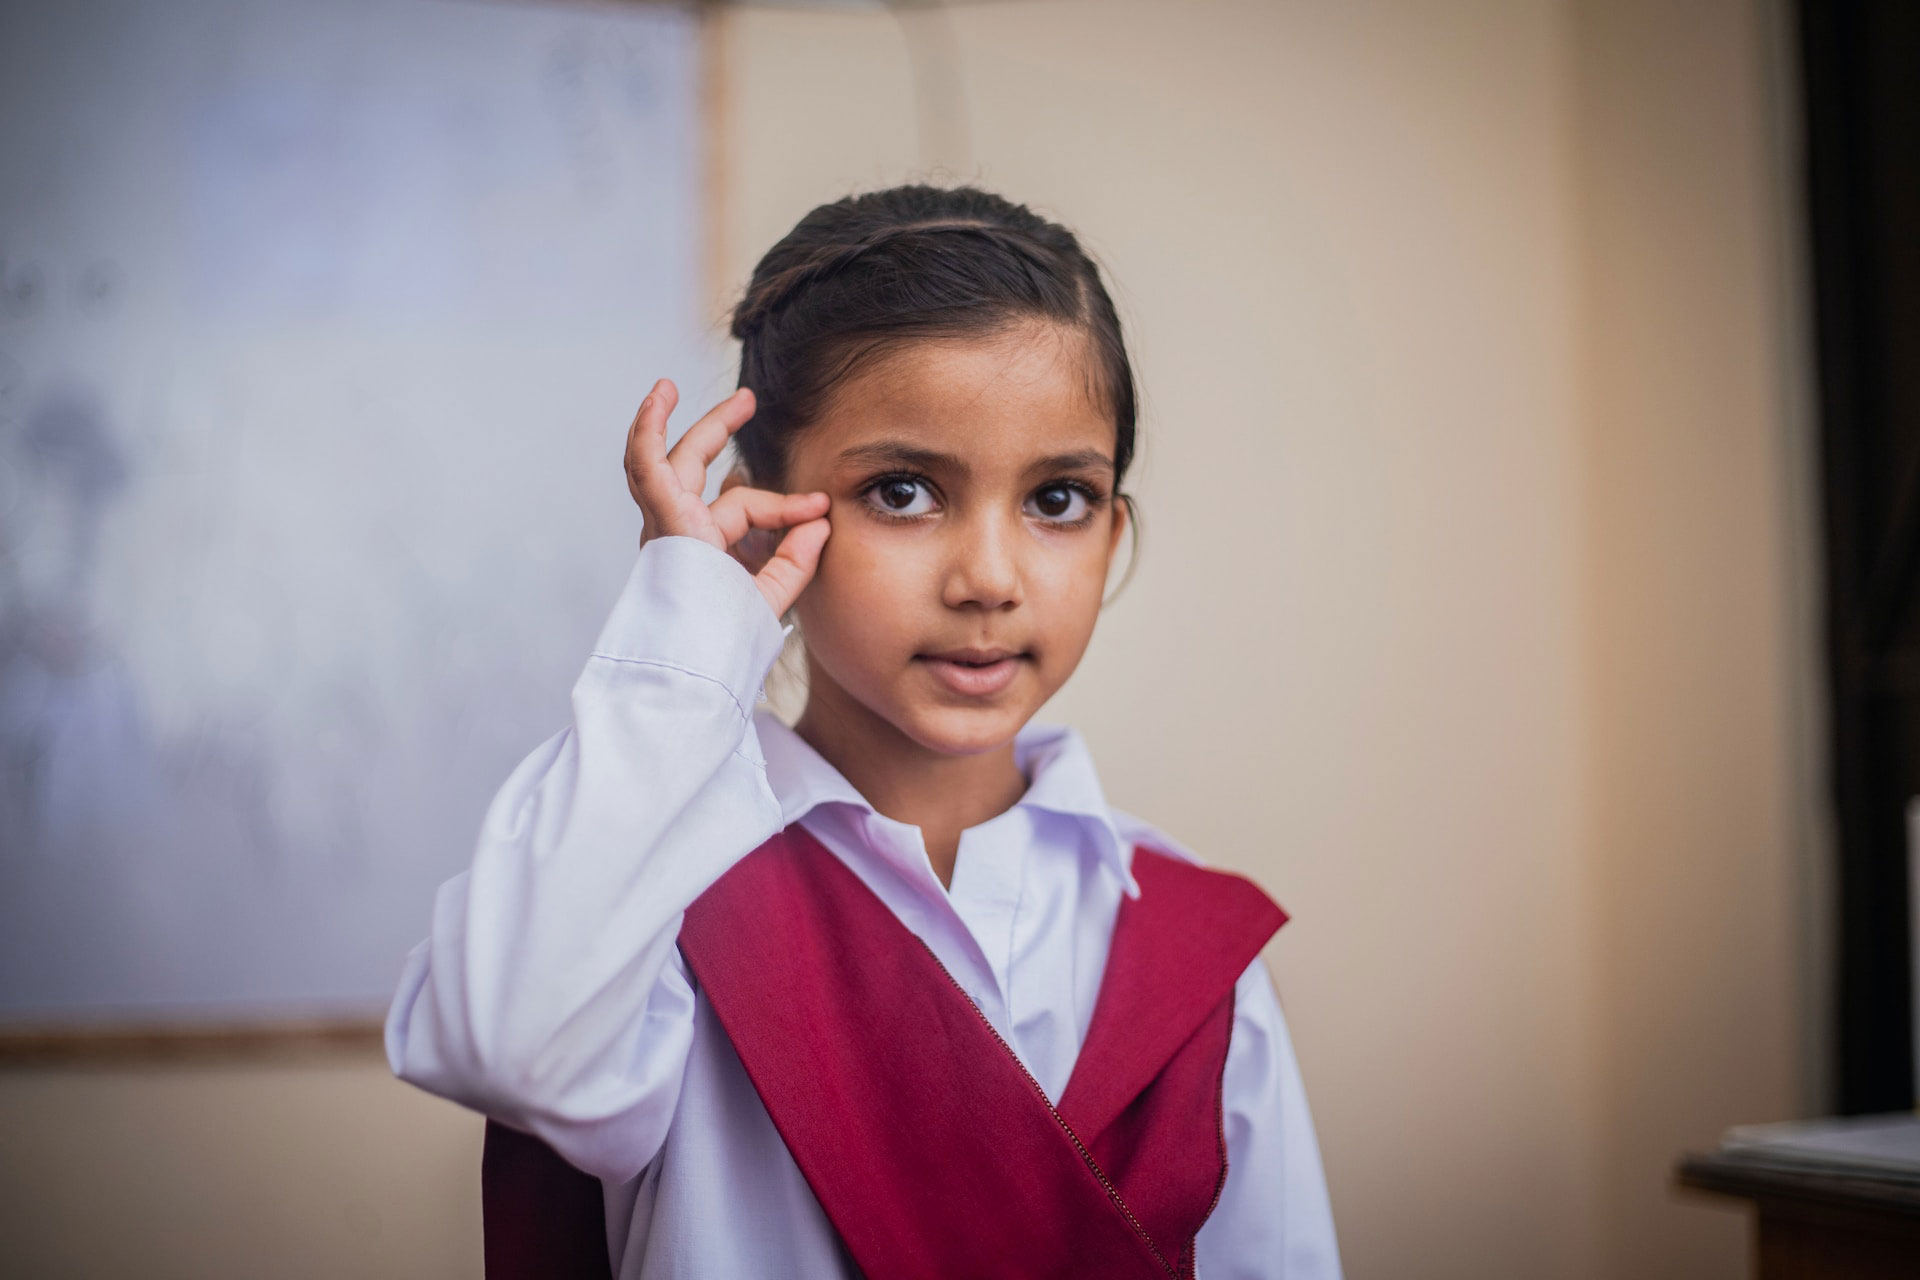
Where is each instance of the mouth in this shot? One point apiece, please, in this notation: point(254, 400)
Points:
point(974, 673)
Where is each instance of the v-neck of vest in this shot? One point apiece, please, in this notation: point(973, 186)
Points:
point(1176, 954)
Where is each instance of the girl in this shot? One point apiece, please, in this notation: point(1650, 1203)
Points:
point(893, 991)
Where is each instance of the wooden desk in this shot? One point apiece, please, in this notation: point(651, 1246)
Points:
point(1815, 1225)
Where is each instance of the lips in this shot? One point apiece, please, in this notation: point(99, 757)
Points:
point(974, 672)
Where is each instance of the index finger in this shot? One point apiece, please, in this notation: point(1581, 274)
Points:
point(738, 510)
point(705, 439)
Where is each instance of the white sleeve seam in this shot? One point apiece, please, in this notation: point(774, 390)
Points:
point(685, 671)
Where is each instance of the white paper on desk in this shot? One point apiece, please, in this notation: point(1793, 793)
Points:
point(1882, 1146)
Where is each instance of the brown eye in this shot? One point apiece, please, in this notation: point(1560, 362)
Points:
point(1058, 502)
point(900, 496)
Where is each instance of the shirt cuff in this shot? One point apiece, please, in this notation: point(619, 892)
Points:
point(689, 605)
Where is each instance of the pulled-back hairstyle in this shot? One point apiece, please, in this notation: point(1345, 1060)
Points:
point(860, 276)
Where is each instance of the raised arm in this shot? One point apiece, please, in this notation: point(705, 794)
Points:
point(549, 993)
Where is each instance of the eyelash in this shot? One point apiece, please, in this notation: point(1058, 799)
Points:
point(872, 486)
point(1093, 496)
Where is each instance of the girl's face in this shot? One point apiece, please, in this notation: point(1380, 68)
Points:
point(973, 519)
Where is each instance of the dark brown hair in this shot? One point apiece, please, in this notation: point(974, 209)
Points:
point(860, 276)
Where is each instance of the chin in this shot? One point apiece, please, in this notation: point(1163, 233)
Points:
point(964, 731)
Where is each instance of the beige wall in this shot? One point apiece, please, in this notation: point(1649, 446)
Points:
point(1468, 619)
point(1705, 825)
point(323, 1167)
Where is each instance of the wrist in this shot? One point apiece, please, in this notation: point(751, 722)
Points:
point(690, 605)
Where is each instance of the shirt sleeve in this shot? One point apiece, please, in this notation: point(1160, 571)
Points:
point(549, 993)
point(1273, 1221)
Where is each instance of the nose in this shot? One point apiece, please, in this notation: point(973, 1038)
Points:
point(983, 568)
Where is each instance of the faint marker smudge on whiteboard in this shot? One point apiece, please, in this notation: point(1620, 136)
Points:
point(327, 507)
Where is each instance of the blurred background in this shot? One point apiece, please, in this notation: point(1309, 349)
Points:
point(1531, 487)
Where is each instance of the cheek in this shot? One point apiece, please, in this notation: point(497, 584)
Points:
point(1070, 583)
point(868, 592)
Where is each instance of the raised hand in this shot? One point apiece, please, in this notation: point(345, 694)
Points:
point(668, 487)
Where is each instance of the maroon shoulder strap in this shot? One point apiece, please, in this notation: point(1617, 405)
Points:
point(1148, 1083)
point(541, 1218)
point(928, 1145)
point(1177, 950)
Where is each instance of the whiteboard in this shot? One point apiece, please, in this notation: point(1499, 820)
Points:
point(321, 325)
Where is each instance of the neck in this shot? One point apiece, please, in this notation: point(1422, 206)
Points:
point(941, 794)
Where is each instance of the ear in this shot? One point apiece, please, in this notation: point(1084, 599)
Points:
point(735, 478)
point(1122, 517)
point(1123, 521)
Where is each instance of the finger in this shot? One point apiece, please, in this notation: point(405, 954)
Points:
point(792, 566)
point(740, 509)
point(704, 440)
point(646, 437)
point(650, 479)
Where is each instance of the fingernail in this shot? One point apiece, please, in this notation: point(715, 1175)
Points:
point(646, 404)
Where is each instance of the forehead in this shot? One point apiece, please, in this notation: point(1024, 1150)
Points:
point(995, 401)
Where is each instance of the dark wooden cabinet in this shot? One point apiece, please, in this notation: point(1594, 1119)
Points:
point(1818, 1225)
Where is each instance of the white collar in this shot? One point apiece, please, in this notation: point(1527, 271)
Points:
point(1055, 760)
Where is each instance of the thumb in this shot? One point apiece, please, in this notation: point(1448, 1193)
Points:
point(791, 566)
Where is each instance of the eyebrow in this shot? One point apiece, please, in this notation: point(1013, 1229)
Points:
point(1077, 460)
point(898, 454)
point(893, 453)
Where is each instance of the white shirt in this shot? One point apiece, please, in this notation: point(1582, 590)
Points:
point(551, 995)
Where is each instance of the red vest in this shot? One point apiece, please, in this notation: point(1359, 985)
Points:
point(927, 1143)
